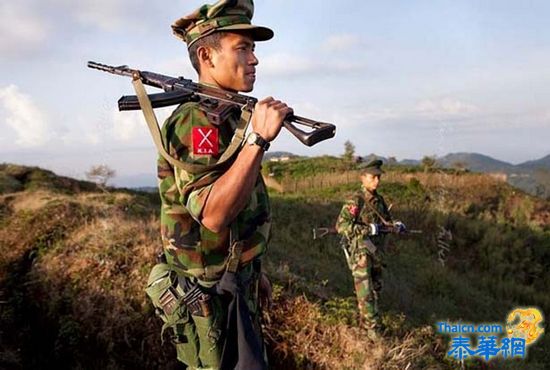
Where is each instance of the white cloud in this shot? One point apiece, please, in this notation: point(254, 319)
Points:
point(293, 65)
point(107, 15)
point(340, 43)
point(22, 29)
point(445, 107)
point(284, 64)
point(131, 127)
point(24, 117)
point(128, 126)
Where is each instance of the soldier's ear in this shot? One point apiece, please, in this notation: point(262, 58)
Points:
point(204, 55)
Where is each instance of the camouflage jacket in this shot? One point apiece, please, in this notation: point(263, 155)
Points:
point(363, 208)
point(190, 248)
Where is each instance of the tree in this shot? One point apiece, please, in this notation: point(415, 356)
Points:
point(100, 174)
point(460, 166)
point(429, 162)
point(392, 161)
point(349, 151)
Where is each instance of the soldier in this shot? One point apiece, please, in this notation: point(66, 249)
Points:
point(215, 223)
point(363, 222)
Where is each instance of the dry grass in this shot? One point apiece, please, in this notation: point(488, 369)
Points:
point(301, 338)
point(427, 179)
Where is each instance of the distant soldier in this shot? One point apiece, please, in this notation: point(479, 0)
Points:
point(215, 214)
point(364, 222)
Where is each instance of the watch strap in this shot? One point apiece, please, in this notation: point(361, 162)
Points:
point(260, 141)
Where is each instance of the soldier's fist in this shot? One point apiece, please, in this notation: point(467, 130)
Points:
point(399, 227)
point(268, 117)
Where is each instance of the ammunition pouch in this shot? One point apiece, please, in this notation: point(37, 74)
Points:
point(166, 296)
point(198, 302)
point(189, 311)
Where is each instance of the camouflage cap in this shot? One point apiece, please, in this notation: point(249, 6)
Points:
point(225, 15)
point(373, 167)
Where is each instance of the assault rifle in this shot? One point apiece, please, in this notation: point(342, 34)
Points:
point(321, 232)
point(179, 90)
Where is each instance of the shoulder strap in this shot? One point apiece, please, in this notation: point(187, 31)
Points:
point(384, 221)
point(152, 124)
point(360, 204)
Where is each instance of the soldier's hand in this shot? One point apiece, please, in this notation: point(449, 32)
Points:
point(399, 227)
point(268, 117)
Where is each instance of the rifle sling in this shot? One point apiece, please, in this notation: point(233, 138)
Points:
point(384, 221)
point(152, 124)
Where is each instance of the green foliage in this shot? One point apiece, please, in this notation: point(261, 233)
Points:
point(304, 167)
point(429, 162)
point(16, 178)
point(349, 151)
point(9, 184)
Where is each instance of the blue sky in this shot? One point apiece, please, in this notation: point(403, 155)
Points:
point(398, 78)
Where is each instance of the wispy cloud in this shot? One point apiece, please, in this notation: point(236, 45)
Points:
point(128, 126)
point(445, 107)
point(108, 15)
point(22, 114)
point(296, 65)
point(22, 29)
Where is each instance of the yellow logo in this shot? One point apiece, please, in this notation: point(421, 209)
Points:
point(525, 323)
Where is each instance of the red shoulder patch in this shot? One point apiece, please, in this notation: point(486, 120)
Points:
point(353, 209)
point(205, 140)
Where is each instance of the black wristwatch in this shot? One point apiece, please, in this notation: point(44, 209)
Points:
point(255, 139)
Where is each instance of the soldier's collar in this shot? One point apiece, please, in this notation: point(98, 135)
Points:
point(368, 195)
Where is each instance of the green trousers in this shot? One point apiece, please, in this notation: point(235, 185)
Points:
point(366, 270)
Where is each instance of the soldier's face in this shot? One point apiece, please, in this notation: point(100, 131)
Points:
point(370, 181)
point(234, 64)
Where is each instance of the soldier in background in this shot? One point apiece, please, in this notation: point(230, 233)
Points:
point(364, 222)
point(215, 224)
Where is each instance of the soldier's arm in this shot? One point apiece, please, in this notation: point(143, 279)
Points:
point(230, 192)
point(347, 217)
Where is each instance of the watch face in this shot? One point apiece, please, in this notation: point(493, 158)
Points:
point(252, 138)
point(255, 139)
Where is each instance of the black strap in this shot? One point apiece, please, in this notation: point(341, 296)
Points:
point(242, 349)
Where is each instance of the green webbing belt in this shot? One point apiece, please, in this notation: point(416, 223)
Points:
point(152, 123)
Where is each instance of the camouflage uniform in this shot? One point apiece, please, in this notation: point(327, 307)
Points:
point(195, 254)
point(190, 248)
point(365, 262)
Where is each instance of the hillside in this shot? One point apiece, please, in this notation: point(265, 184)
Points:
point(475, 162)
point(542, 163)
point(74, 260)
